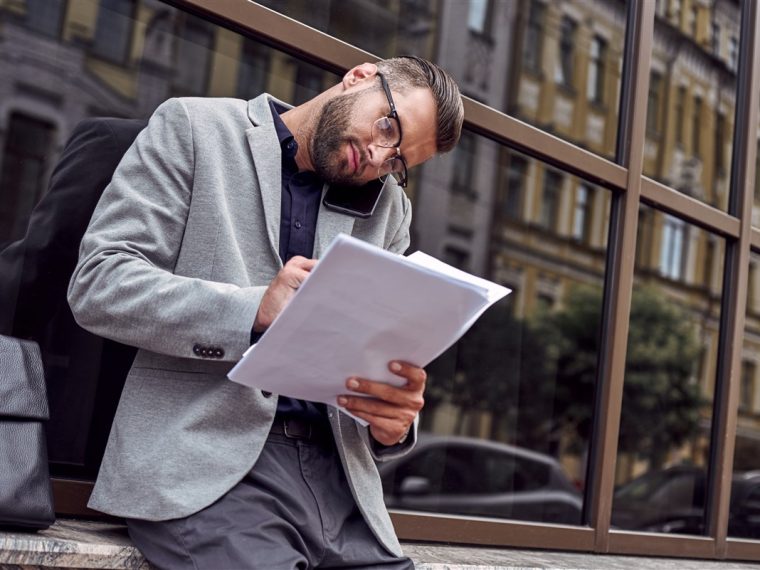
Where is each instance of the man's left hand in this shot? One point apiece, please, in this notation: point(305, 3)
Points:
point(390, 410)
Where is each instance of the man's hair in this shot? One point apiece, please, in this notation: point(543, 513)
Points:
point(403, 73)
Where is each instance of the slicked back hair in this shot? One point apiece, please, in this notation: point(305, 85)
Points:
point(406, 72)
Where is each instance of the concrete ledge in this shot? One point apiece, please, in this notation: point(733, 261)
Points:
point(85, 544)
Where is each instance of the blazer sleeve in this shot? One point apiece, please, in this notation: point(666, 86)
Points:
point(401, 239)
point(124, 286)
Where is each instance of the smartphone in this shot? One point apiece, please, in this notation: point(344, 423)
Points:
point(358, 201)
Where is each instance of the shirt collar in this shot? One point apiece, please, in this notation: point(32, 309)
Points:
point(287, 140)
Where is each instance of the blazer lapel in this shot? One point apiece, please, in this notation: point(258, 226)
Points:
point(267, 160)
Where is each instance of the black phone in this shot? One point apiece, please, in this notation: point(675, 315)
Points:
point(358, 201)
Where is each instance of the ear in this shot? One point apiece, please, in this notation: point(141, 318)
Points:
point(359, 74)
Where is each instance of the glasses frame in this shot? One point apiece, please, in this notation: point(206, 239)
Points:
point(403, 177)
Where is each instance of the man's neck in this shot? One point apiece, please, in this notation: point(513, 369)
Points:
point(299, 121)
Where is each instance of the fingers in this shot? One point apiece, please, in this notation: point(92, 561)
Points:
point(379, 408)
point(415, 375)
point(395, 395)
point(301, 262)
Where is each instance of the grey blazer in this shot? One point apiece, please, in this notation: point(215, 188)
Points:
point(178, 254)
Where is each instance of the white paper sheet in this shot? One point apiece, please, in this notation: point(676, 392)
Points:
point(360, 308)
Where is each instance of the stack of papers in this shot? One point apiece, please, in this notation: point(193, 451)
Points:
point(360, 308)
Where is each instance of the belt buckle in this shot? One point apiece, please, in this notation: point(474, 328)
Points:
point(296, 435)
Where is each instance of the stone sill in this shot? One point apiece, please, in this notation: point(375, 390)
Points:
point(85, 544)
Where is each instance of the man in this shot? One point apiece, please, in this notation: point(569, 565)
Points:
point(211, 222)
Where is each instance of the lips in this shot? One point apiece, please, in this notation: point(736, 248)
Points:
point(353, 158)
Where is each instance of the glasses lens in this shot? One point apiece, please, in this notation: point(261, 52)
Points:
point(393, 167)
point(386, 132)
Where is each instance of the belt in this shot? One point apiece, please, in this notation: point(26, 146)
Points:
point(301, 429)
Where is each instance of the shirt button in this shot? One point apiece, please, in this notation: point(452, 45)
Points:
point(297, 225)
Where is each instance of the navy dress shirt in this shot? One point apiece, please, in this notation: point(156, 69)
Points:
point(301, 194)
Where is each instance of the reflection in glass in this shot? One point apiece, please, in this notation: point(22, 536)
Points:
point(664, 440)
point(46, 95)
point(692, 99)
point(555, 65)
point(744, 508)
point(506, 426)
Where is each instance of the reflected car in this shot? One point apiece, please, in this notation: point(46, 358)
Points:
point(470, 476)
point(673, 501)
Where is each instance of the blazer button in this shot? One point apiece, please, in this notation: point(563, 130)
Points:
point(204, 352)
point(197, 350)
point(266, 394)
point(219, 353)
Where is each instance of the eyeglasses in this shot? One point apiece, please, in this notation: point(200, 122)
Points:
point(386, 132)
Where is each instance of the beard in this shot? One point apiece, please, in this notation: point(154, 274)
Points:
point(329, 139)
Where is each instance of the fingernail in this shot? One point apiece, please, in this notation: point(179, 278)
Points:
point(342, 400)
point(395, 367)
point(352, 383)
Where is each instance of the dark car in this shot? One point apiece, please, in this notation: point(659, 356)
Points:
point(673, 500)
point(470, 476)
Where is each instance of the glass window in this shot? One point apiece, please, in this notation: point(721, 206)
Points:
point(595, 85)
point(194, 50)
point(582, 217)
point(680, 111)
point(690, 119)
point(540, 44)
point(113, 30)
point(566, 66)
point(45, 16)
point(653, 104)
point(533, 46)
point(696, 128)
point(733, 52)
point(513, 184)
point(477, 14)
point(673, 248)
point(744, 508)
point(550, 200)
point(662, 463)
point(253, 70)
point(464, 154)
point(517, 390)
point(24, 168)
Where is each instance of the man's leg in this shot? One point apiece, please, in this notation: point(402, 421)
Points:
point(269, 521)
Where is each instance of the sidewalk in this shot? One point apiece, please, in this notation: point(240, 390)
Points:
point(84, 544)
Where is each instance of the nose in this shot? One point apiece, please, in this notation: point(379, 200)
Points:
point(379, 154)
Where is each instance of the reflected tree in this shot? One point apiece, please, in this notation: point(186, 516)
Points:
point(661, 396)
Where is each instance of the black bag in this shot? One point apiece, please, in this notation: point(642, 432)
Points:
point(26, 495)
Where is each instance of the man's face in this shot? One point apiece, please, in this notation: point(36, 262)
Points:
point(342, 149)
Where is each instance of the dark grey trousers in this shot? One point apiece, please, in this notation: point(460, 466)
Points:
point(294, 510)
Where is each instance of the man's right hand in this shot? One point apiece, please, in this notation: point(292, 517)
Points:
point(281, 289)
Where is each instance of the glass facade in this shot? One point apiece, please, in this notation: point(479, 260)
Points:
point(544, 412)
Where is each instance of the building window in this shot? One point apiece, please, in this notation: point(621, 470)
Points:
point(308, 83)
point(715, 39)
point(457, 257)
point(595, 85)
point(113, 30)
point(566, 51)
point(673, 247)
point(45, 16)
point(584, 196)
point(550, 199)
point(692, 24)
point(708, 261)
point(533, 47)
point(680, 113)
point(696, 129)
point(464, 159)
point(733, 53)
point(653, 103)
point(746, 400)
point(515, 188)
point(253, 70)
point(22, 180)
point(478, 16)
point(195, 44)
point(675, 12)
point(720, 135)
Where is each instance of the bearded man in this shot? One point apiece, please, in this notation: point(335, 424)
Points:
point(213, 218)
